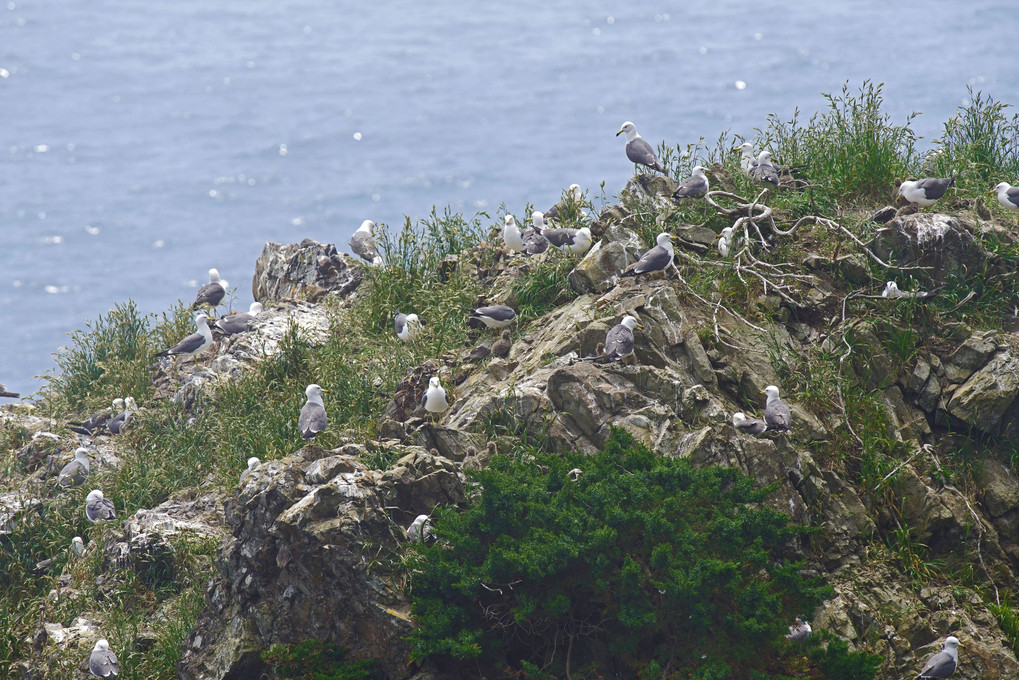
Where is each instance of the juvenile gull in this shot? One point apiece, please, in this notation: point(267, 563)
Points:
point(695, 186)
point(942, 664)
point(574, 195)
point(194, 343)
point(501, 347)
point(892, 291)
point(103, 662)
point(656, 259)
point(494, 316)
point(776, 413)
point(116, 424)
point(76, 472)
point(420, 530)
point(362, 244)
point(749, 425)
point(408, 326)
point(238, 322)
point(98, 508)
point(313, 414)
point(638, 150)
point(211, 293)
point(1008, 196)
point(97, 421)
point(512, 236)
point(799, 631)
point(725, 242)
point(925, 192)
point(619, 339)
point(253, 463)
point(434, 399)
point(764, 170)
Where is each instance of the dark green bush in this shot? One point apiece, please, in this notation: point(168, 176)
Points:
point(316, 660)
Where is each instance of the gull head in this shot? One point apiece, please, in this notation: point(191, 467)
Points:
point(746, 147)
point(201, 320)
point(314, 392)
point(772, 392)
point(664, 239)
point(367, 226)
point(576, 192)
point(255, 309)
point(433, 382)
point(629, 129)
point(698, 171)
point(94, 495)
point(764, 157)
point(891, 289)
point(101, 645)
point(253, 463)
point(82, 454)
point(214, 275)
point(738, 418)
point(630, 322)
point(951, 643)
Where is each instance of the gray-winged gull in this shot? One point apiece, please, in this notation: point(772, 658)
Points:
point(942, 664)
point(619, 339)
point(573, 194)
point(420, 530)
point(434, 399)
point(574, 241)
point(97, 421)
point(656, 259)
point(408, 326)
point(511, 235)
point(925, 192)
point(765, 170)
point(1008, 195)
point(637, 149)
point(253, 463)
point(494, 316)
point(749, 425)
point(362, 244)
point(97, 507)
point(103, 662)
point(748, 161)
point(725, 241)
point(891, 290)
point(776, 413)
point(211, 293)
point(193, 344)
point(533, 241)
point(116, 424)
point(78, 546)
point(799, 631)
point(695, 186)
point(313, 414)
point(238, 322)
point(76, 472)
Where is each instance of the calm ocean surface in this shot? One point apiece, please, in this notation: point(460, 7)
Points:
point(142, 143)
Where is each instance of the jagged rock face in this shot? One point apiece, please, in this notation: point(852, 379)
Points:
point(307, 558)
point(303, 271)
point(933, 240)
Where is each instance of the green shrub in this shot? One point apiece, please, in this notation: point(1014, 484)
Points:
point(316, 660)
point(640, 559)
point(980, 144)
point(838, 663)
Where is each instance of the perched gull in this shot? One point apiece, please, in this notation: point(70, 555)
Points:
point(512, 236)
point(420, 530)
point(749, 425)
point(764, 170)
point(76, 472)
point(575, 241)
point(800, 630)
point(98, 420)
point(533, 241)
point(942, 664)
point(494, 316)
point(575, 195)
point(725, 241)
point(211, 293)
point(925, 192)
point(117, 423)
point(747, 162)
point(97, 507)
point(253, 463)
point(434, 399)
point(362, 243)
point(657, 259)
point(238, 322)
point(194, 343)
point(638, 150)
point(619, 339)
point(313, 413)
point(776, 413)
point(408, 326)
point(78, 546)
point(1008, 196)
point(695, 186)
point(103, 662)
point(892, 291)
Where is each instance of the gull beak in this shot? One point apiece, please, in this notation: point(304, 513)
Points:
point(991, 192)
point(718, 237)
point(325, 391)
point(619, 133)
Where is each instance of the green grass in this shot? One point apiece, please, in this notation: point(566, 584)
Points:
point(980, 143)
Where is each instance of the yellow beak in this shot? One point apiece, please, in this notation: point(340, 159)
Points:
point(619, 133)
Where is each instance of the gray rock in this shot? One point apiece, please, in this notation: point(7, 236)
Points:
point(985, 398)
point(1000, 488)
point(305, 271)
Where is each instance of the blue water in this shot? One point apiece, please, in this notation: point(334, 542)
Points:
point(142, 143)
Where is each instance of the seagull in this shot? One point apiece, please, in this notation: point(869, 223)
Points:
point(103, 662)
point(194, 343)
point(725, 242)
point(619, 339)
point(656, 259)
point(574, 194)
point(116, 424)
point(574, 241)
point(925, 192)
point(749, 425)
point(764, 170)
point(78, 546)
point(638, 150)
point(420, 530)
point(512, 236)
point(253, 463)
point(434, 399)
point(533, 241)
point(747, 162)
point(800, 630)
point(238, 322)
point(313, 414)
point(76, 472)
point(362, 244)
point(97, 507)
point(695, 186)
point(494, 316)
point(211, 293)
point(942, 664)
point(408, 326)
point(776, 413)
point(892, 291)
point(1008, 195)
point(97, 421)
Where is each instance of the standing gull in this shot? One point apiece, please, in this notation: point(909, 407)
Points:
point(695, 186)
point(434, 399)
point(776, 413)
point(78, 546)
point(575, 241)
point(362, 244)
point(725, 242)
point(656, 259)
point(420, 530)
point(194, 343)
point(408, 326)
point(1008, 196)
point(638, 150)
point(925, 192)
point(97, 507)
point(574, 195)
point(76, 472)
point(747, 161)
point(942, 664)
point(97, 421)
point(533, 241)
point(238, 322)
point(619, 339)
point(749, 425)
point(512, 236)
point(494, 316)
point(103, 662)
point(764, 170)
point(117, 423)
point(313, 413)
point(799, 631)
point(211, 293)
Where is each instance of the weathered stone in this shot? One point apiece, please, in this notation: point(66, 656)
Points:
point(884, 215)
point(904, 422)
point(971, 355)
point(985, 398)
point(324, 469)
point(918, 378)
point(854, 268)
point(305, 271)
point(1000, 488)
point(604, 261)
point(933, 240)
